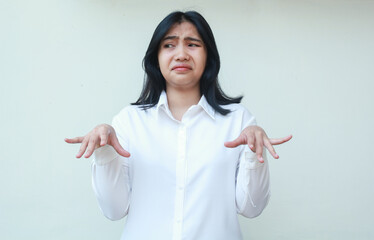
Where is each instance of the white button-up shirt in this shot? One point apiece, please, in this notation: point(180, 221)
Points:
point(180, 182)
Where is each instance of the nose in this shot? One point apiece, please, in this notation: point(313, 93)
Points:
point(181, 54)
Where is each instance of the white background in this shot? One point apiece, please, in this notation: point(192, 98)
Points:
point(305, 67)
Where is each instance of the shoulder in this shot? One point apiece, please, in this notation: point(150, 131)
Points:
point(130, 109)
point(240, 113)
point(134, 110)
point(237, 109)
point(128, 114)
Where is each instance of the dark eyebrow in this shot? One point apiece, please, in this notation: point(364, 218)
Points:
point(169, 38)
point(193, 39)
point(187, 38)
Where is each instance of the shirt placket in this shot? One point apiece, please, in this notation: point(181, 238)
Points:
point(180, 182)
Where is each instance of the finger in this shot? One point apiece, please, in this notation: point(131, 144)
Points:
point(251, 142)
point(117, 146)
point(239, 141)
point(82, 149)
point(270, 148)
point(104, 139)
point(277, 141)
point(91, 147)
point(259, 147)
point(74, 140)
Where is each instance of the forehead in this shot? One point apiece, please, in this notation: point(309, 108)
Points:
point(183, 29)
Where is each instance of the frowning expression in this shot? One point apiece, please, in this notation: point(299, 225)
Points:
point(182, 57)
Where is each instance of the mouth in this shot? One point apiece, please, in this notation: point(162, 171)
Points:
point(182, 67)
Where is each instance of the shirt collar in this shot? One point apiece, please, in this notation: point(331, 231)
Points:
point(206, 106)
point(163, 101)
point(203, 103)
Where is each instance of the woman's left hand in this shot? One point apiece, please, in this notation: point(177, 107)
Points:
point(256, 139)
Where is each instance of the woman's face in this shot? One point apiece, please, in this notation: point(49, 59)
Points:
point(182, 57)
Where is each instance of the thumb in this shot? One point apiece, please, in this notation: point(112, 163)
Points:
point(117, 146)
point(239, 141)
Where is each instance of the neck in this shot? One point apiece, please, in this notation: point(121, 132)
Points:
point(180, 101)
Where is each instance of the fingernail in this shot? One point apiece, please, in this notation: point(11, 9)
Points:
point(251, 146)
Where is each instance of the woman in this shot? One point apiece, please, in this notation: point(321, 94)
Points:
point(182, 180)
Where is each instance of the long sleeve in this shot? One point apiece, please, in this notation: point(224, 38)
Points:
point(111, 182)
point(111, 176)
point(253, 184)
point(252, 179)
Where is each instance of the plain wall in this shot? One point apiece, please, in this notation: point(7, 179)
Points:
point(305, 67)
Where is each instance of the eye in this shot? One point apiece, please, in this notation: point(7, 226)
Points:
point(168, 45)
point(193, 45)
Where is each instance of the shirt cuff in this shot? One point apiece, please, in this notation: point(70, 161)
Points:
point(251, 161)
point(104, 155)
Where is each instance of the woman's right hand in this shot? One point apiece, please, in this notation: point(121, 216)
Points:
point(101, 135)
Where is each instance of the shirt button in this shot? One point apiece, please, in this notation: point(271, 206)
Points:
point(180, 188)
point(178, 221)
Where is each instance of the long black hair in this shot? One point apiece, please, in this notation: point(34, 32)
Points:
point(154, 82)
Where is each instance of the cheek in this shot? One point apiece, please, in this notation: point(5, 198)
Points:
point(162, 64)
point(163, 59)
point(203, 63)
point(203, 58)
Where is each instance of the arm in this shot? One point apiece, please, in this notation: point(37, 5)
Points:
point(111, 182)
point(110, 170)
point(252, 179)
point(252, 184)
